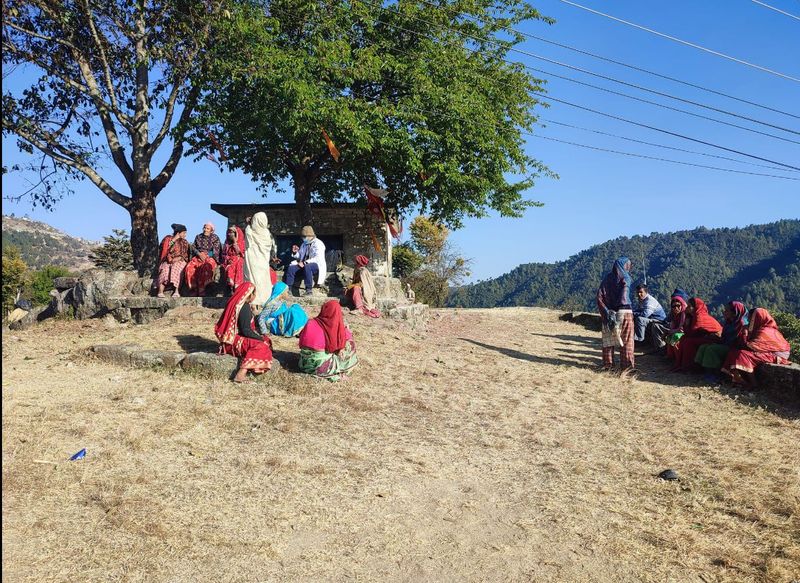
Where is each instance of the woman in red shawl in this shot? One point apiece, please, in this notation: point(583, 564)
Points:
point(233, 257)
point(238, 337)
point(173, 259)
point(701, 329)
point(207, 251)
point(327, 349)
point(764, 343)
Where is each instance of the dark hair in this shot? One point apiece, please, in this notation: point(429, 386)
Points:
point(177, 228)
point(641, 286)
point(692, 302)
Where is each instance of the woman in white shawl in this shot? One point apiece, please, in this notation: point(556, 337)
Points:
point(257, 257)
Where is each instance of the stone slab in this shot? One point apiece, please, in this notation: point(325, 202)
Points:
point(116, 353)
point(211, 364)
point(780, 381)
point(64, 283)
point(151, 358)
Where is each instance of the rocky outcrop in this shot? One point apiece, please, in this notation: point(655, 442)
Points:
point(780, 381)
point(94, 288)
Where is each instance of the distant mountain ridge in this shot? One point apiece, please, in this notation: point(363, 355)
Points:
point(41, 244)
point(759, 264)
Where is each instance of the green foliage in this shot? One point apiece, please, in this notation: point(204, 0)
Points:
point(440, 265)
point(401, 93)
point(115, 254)
point(14, 276)
point(759, 264)
point(405, 261)
point(41, 282)
point(789, 325)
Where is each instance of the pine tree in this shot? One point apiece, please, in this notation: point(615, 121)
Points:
point(115, 254)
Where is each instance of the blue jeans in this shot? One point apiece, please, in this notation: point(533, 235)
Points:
point(640, 326)
point(310, 273)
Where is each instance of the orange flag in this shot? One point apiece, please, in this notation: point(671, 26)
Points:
point(331, 146)
point(375, 242)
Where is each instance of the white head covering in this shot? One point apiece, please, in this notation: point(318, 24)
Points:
point(257, 255)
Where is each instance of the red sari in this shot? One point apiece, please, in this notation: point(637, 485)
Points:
point(255, 355)
point(200, 270)
point(233, 259)
point(765, 344)
point(701, 329)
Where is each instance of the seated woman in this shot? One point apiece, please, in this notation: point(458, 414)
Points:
point(669, 332)
point(233, 258)
point(279, 319)
point(701, 329)
point(173, 259)
point(734, 334)
point(236, 335)
point(764, 343)
point(361, 294)
point(207, 251)
point(327, 349)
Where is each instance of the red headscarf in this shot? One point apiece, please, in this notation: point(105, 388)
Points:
point(362, 260)
point(332, 323)
point(239, 238)
point(226, 328)
point(764, 335)
point(702, 321)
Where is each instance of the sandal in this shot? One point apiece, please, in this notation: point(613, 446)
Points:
point(244, 382)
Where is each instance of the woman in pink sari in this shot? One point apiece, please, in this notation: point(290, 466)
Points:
point(173, 260)
point(764, 343)
point(237, 336)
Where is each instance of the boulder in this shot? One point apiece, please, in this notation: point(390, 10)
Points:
point(218, 365)
point(780, 381)
point(64, 283)
point(95, 287)
point(390, 288)
point(60, 300)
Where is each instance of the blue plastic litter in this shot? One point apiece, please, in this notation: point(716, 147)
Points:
point(78, 456)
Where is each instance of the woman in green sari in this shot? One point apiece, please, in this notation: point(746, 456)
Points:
point(327, 349)
point(279, 319)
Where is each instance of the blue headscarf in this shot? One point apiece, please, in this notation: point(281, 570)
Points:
point(681, 294)
point(616, 287)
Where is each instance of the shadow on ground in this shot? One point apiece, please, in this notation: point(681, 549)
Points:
point(195, 343)
point(511, 353)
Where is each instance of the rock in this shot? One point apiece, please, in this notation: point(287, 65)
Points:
point(390, 288)
point(122, 315)
point(35, 315)
point(217, 365)
point(109, 323)
point(116, 353)
point(64, 283)
point(566, 317)
point(152, 358)
point(95, 287)
point(781, 381)
point(60, 301)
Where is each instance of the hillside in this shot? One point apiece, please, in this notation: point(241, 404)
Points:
point(759, 264)
point(40, 244)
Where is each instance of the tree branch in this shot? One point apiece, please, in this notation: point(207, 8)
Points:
point(160, 181)
point(85, 169)
point(103, 57)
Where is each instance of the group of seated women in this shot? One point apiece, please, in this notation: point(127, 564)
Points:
point(327, 348)
point(696, 341)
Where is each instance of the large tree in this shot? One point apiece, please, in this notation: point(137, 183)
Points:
point(111, 79)
point(417, 96)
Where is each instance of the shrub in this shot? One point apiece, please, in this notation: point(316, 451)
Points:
point(41, 282)
point(15, 274)
point(115, 254)
point(790, 328)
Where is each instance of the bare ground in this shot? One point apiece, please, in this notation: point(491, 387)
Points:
point(485, 449)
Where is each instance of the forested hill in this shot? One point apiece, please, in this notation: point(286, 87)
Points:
point(759, 264)
point(40, 244)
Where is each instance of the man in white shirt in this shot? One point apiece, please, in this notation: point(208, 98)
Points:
point(309, 259)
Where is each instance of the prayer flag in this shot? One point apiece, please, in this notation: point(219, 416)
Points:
point(331, 146)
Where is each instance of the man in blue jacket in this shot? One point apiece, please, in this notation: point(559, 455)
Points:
point(648, 311)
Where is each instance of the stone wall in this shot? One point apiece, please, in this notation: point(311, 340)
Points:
point(350, 221)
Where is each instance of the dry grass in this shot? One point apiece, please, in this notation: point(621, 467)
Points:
point(484, 450)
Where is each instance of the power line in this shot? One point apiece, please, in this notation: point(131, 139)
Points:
point(745, 162)
point(661, 159)
point(777, 9)
point(559, 63)
point(687, 43)
point(632, 67)
point(610, 115)
point(668, 132)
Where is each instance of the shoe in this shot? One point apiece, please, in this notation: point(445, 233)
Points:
point(309, 292)
point(161, 296)
point(176, 295)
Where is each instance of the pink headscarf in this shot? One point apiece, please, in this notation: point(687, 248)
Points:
point(209, 225)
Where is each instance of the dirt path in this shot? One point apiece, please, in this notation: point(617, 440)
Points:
point(486, 449)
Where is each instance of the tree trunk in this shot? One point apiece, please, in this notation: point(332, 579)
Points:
point(144, 233)
point(302, 197)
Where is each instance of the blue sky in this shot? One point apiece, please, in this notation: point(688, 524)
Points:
point(599, 196)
